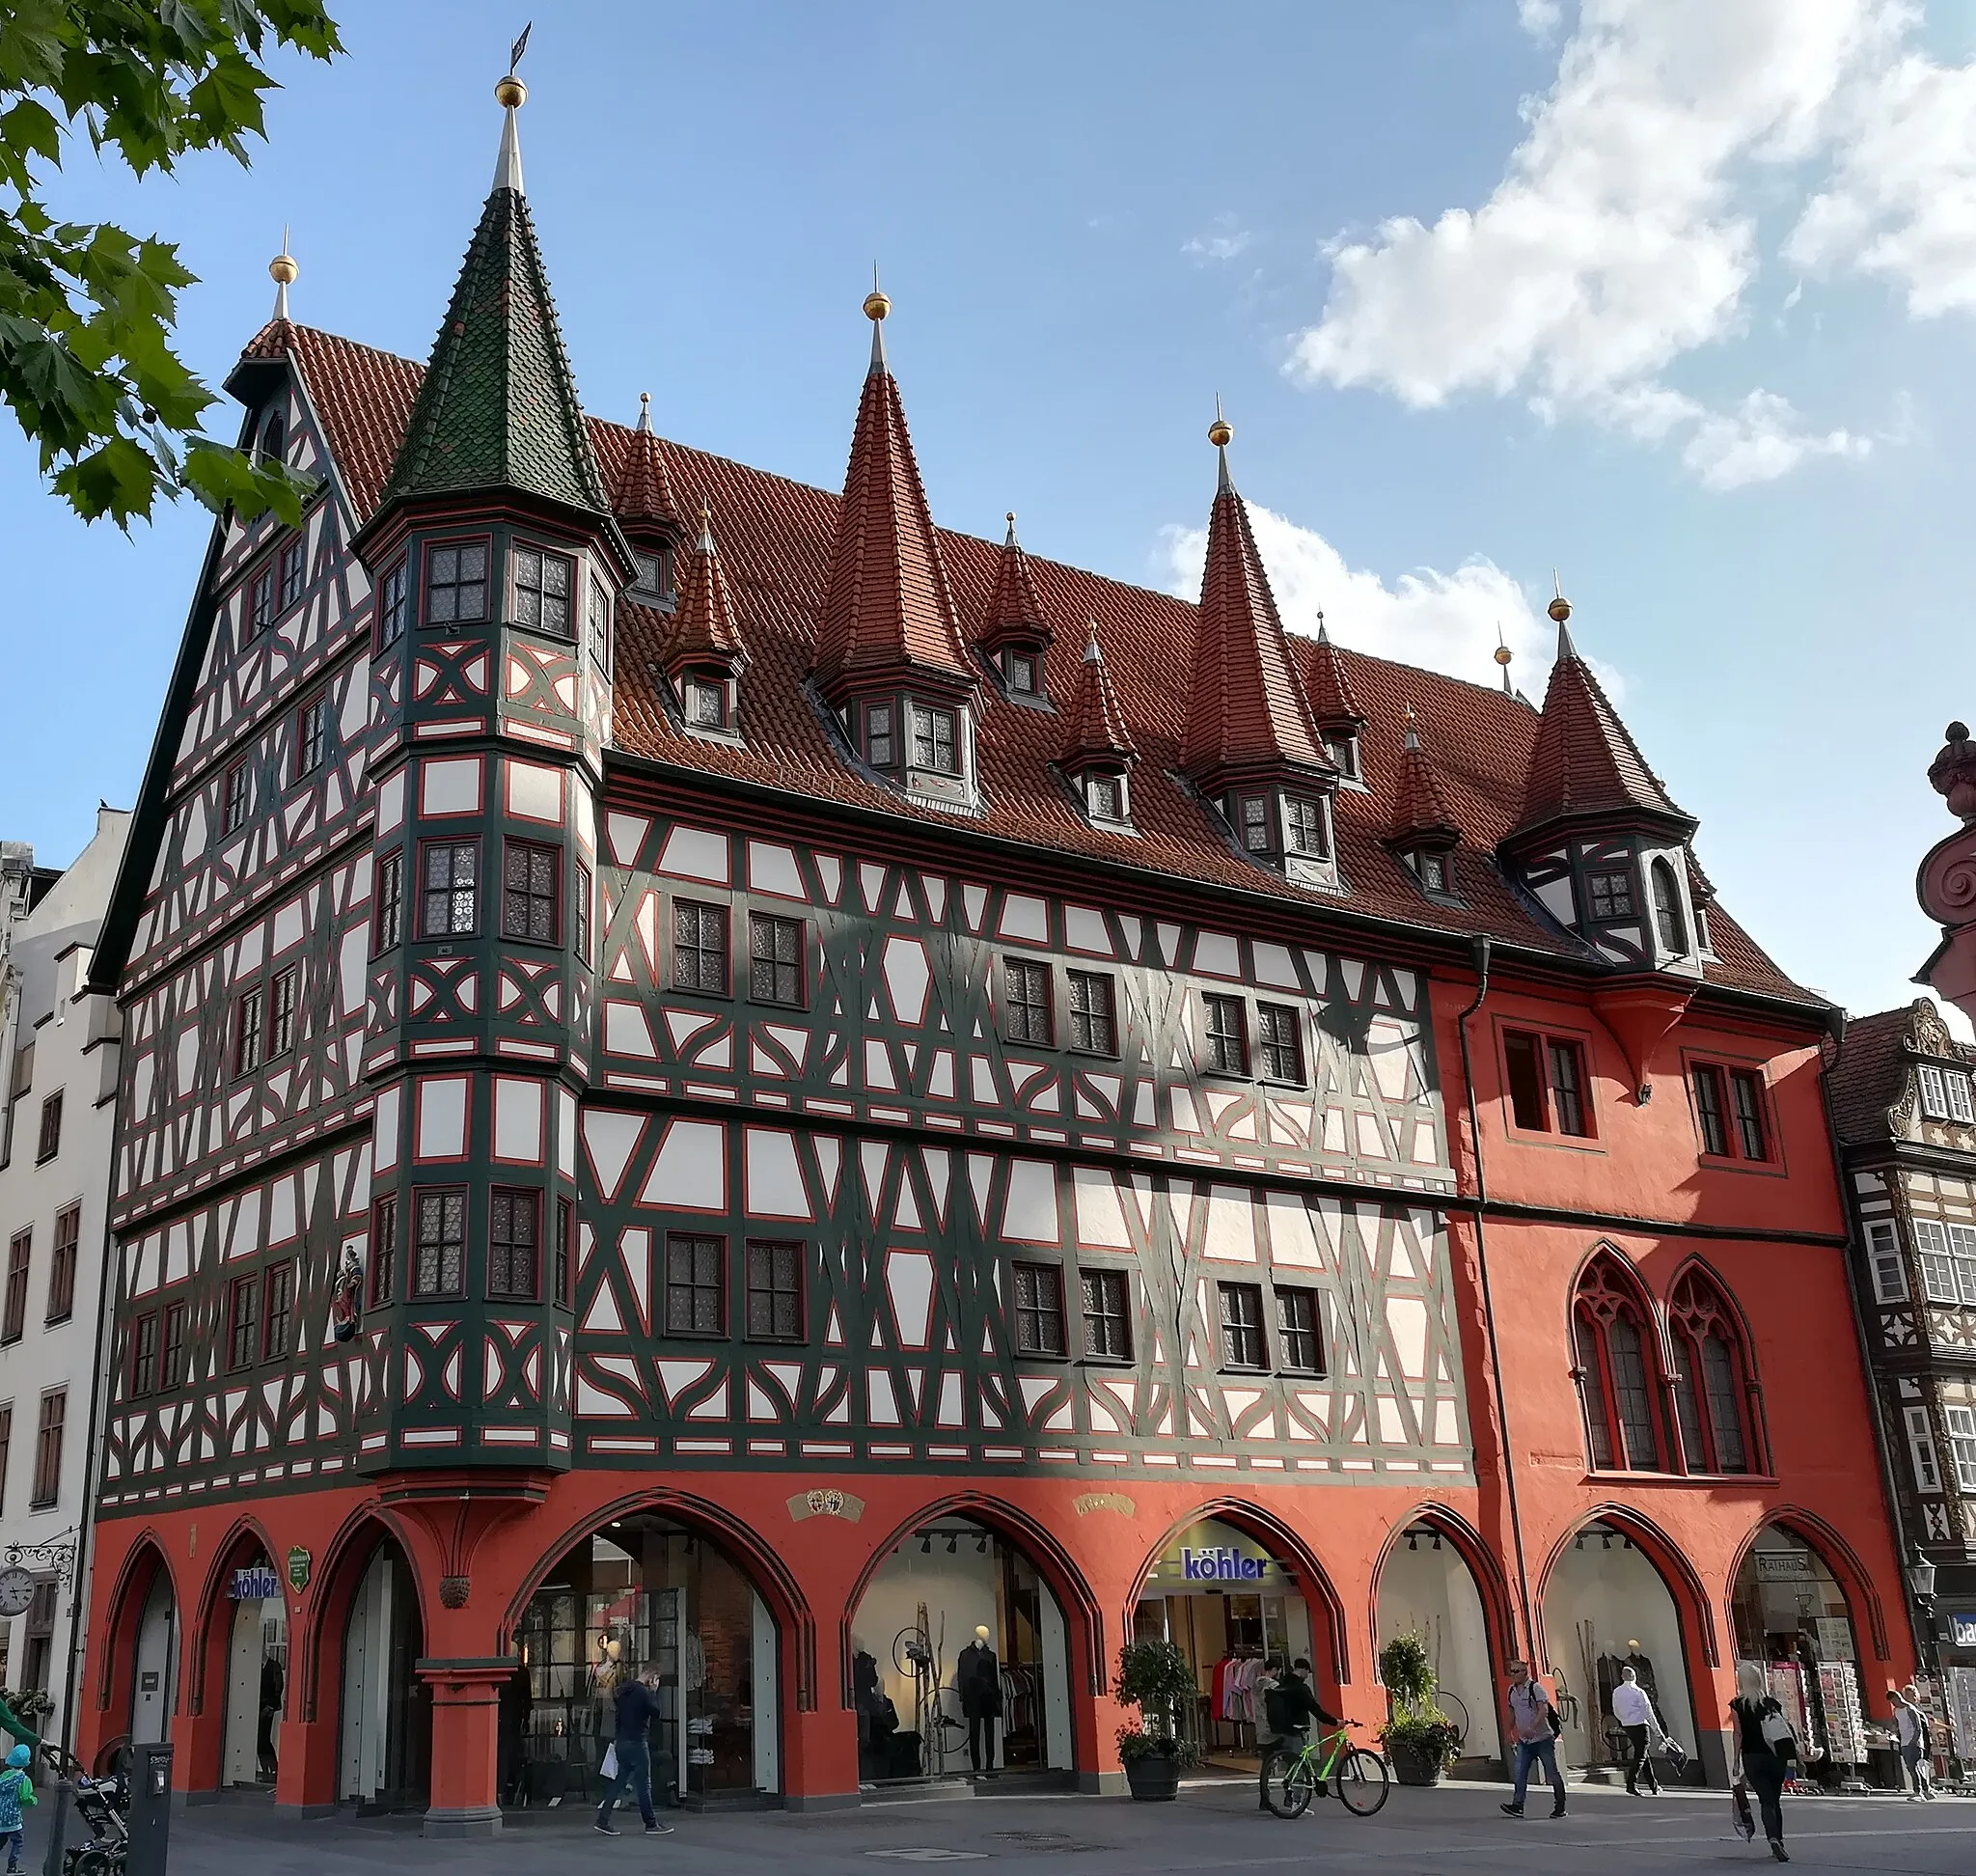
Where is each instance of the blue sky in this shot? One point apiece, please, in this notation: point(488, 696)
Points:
point(1675, 297)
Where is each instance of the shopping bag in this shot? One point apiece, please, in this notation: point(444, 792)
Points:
point(1739, 1802)
point(1675, 1753)
point(609, 1768)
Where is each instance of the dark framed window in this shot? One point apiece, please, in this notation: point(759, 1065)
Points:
point(173, 1366)
point(934, 744)
point(261, 602)
point(704, 701)
point(311, 734)
point(1279, 1033)
point(565, 1253)
point(1546, 1080)
point(274, 436)
point(531, 892)
point(1667, 917)
point(1020, 669)
point(775, 1291)
point(5, 1447)
point(1256, 835)
point(283, 991)
point(1108, 1316)
point(600, 626)
point(248, 1013)
point(1433, 869)
point(1523, 1068)
point(456, 584)
point(514, 1234)
point(1304, 828)
point(243, 1321)
point(233, 798)
point(276, 1304)
point(1710, 1392)
point(388, 922)
point(448, 898)
point(775, 960)
point(1615, 1391)
point(1093, 1012)
point(50, 1141)
point(383, 1252)
point(1709, 1106)
point(541, 590)
point(291, 572)
point(19, 1254)
point(47, 1486)
point(1026, 1001)
point(879, 747)
point(584, 889)
point(1245, 1344)
point(1040, 1310)
point(1610, 894)
point(61, 1263)
point(696, 1284)
point(655, 581)
point(1567, 1088)
point(700, 946)
point(1746, 1097)
point(1344, 754)
point(1105, 797)
point(391, 608)
point(439, 1241)
point(1299, 1344)
point(1224, 1034)
point(144, 1355)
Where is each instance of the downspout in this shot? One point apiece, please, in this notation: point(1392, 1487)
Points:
point(1480, 950)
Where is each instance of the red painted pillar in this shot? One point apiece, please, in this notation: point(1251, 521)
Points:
point(466, 1708)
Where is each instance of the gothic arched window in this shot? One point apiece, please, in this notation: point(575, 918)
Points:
point(1711, 1379)
point(1673, 927)
point(1612, 1342)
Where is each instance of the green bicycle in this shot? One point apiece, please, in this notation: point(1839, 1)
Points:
point(1294, 1778)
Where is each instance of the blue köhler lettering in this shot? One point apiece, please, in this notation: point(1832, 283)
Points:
point(1226, 1565)
point(252, 1585)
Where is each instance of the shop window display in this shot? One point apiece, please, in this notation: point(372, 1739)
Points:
point(1792, 1616)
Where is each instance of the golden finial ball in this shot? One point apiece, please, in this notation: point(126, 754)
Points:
point(876, 306)
point(282, 268)
point(1502, 655)
point(510, 93)
point(1559, 609)
point(1221, 432)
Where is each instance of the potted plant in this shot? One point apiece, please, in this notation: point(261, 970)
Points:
point(1420, 1739)
point(1154, 1679)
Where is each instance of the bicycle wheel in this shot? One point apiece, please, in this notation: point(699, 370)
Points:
point(1290, 1783)
point(1363, 1781)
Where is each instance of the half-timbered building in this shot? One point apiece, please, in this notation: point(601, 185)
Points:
point(716, 1073)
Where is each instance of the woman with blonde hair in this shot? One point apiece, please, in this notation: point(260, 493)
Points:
point(1765, 1748)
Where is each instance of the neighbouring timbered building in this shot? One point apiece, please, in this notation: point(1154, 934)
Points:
point(715, 1074)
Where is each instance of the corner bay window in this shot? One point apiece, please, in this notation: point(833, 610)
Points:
point(531, 887)
point(1609, 894)
point(775, 1291)
point(1668, 921)
point(696, 1286)
point(541, 592)
point(513, 1232)
point(1883, 1254)
point(1040, 1310)
point(1944, 1095)
point(934, 747)
point(439, 1248)
point(456, 584)
point(1948, 1261)
point(383, 1252)
point(391, 607)
point(1223, 1035)
point(388, 922)
point(448, 896)
point(600, 626)
point(1304, 828)
point(1546, 1077)
point(1026, 1000)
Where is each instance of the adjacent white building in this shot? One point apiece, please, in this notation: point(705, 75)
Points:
point(58, 1074)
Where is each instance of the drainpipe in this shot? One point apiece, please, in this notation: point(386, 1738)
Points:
point(1480, 950)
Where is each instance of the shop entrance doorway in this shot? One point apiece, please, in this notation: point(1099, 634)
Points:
point(257, 1673)
point(1607, 1607)
point(1426, 1588)
point(385, 1736)
point(1792, 1616)
point(646, 1590)
point(960, 1661)
point(1231, 1607)
point(155, 1676)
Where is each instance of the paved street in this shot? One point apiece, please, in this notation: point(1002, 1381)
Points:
point(1210, 1827)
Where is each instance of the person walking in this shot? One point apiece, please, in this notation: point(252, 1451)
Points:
point(1765, 1750)
point(1289, 1704)
point(1534, 1725)
point(637, 1707)
point(17, 1788)
point(273, 1690)
point(1633, 1709)
point(1916, 1747)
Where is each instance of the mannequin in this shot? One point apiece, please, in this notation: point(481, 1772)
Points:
point(978, 1679)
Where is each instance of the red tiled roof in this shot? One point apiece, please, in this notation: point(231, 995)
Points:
point(776, 541)
point(1333, 706)
point(1097, 724)
point(638, 491)
point(1015, 615)
point(704, 627)
point(1418, 805)
point(1246, 709)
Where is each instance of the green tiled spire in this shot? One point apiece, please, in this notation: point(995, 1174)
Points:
point(498, 408)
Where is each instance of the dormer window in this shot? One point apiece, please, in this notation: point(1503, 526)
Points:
point(654, 582)
point(1432, 871)
point(1105, 799)
point(1305, 830)
point(706, 702)
point(879, 746)
point(1255, 824)
point(934, 745)
point(1019, 667)
point(1667, 918)
point(1344, 754)
point(1610, 894)
point(273, 442)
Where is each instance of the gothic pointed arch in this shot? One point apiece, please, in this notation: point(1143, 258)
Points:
point(144, 1562)
point(208, 1645)
point(334, 1589)
point(1615, 1365)
point(1692, 1604)
point(1711, 1376)
point(1838, 1556)
point(1491, 1584)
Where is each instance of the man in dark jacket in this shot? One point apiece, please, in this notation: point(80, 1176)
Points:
point(1289, 1704)
point(638, 1706)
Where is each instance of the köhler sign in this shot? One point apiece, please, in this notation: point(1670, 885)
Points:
point(1226, 1565)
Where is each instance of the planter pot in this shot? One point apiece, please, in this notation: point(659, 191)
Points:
point(1411, 1765)
point(1153, 1777)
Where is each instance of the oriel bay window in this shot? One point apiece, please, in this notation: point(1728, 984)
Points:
point(1609, 1332)
point(439, 1244)
point(448, 896)
point(1545, 1078)
point(383, 1252)
point(541, 590)
point(1711, 1383)
point(456, 584)
point(514, 1220)
point(1040, 1310)
point(391, 607)
point(531, 892)
point(388, 921)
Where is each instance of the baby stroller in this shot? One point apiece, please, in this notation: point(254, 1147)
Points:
point(103, 1807)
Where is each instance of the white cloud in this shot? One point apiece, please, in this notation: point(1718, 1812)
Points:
point(1445, 621)
point(1539, 19)
point(1622, 234)
point(1224, 242)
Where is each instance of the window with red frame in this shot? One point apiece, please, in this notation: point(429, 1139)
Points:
point(1546, 1079)
point(1711, 1379)
point(1729, 1112)
point(1611, 1334)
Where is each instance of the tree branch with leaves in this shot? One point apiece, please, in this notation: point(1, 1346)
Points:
point(87, 310)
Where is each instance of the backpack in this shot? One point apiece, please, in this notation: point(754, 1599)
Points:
point(1276, 1711)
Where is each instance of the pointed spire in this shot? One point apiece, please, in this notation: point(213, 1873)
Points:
point(510, 93)
point(888, 610)
point(1559, 609)
point(1220, 434)
point(1246, 711)
point(1015, 612)
point(1422, 816)
point(1584, 763)
point(1503, 655)
point(1333, 705)
point(283, 271)
point(1098, 731)
point(643, 495)
point(877, 307)
point(498, 409)
point(705, 631)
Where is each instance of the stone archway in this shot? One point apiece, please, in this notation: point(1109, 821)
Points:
point(1428, 1582)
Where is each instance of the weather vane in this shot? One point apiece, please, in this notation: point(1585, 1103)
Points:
point(520, 46)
